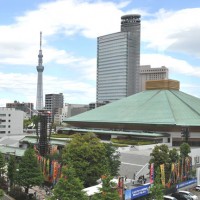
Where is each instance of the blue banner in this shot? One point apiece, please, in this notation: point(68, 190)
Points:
point(137, 192)
point(186, 183)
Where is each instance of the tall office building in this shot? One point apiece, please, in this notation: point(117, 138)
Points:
point(147, 73)
point(40, 69)
point(118, 61)
point(53, 102)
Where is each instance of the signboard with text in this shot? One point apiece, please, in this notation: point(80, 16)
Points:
point(137, 192)
point(186, 183)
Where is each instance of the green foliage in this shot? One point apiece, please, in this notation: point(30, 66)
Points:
point(119, 145)
point(131, 141)
point(156, 191)
point(173, 155)
point(61, 136)
point(69, 187)
point(1, 193)
point(113, 159)
point(159, 155)
point(2, 165)
point(27, 122)
point(11, 169)
point(185, 149)
point(29, 173)
point(108, 190)
point(88, 157)
point(35, 119)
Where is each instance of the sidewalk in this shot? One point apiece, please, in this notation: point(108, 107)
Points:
point(40, 192)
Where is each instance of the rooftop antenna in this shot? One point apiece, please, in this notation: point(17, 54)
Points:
point(40, 40)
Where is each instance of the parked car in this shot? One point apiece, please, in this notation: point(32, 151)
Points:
point(166, 197)
point(180, 196)
point(193, 196)
point(197, 188)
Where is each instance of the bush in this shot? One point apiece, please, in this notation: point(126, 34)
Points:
point(131, 141)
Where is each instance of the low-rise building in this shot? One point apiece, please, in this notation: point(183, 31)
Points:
point(11, 121)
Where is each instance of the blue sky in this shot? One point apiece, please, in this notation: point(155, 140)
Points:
point(170, 32)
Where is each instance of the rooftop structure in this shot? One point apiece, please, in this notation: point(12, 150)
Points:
point(26, 107)
point(147, 73)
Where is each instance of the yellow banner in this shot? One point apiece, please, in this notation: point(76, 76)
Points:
point(162, 173)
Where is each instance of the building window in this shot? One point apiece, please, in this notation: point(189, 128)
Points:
point(168, 140)
point(8, 126)
point(2, 132)
point(9, 115)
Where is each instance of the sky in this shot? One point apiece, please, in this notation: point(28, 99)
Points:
point(170, 32)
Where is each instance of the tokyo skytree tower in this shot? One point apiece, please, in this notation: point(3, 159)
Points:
point(40, 69)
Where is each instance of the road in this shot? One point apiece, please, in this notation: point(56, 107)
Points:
point(132, 162)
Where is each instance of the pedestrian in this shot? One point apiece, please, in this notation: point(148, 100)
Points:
point(145, 180)
point(134, 176)
point(125, 178)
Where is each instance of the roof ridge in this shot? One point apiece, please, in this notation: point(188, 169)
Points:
point(195, 111)
point(171, 110)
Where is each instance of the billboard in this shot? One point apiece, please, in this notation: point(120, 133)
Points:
point(186, 183)
point(137, 192)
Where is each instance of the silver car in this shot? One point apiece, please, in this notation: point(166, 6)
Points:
point(193, 196)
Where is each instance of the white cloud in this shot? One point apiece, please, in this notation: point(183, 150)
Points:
point(22, 87)
point(173, 64)
point(19, 44)
point(174, 31)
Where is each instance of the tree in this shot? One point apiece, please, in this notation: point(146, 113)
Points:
point(87, 155)
point(108, 190)
point(2, 165)
point(156, 190)
point(173, 155)
point(185, 149)
point(29, 173)
point(27, 122)
point(1, 193)
point(69, 187)
point(160, 155)
point(113, 159)
point(11, 169)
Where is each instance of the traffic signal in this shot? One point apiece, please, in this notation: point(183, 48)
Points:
point(185, 133)
point(182, 132)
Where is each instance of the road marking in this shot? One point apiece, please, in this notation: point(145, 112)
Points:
point(131, 164)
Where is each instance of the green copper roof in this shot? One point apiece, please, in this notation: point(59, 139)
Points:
point(12, 150)
point(142, 134)
point(162, 107)
point(53, 141)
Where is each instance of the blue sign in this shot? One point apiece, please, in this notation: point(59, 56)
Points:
point(137, 192)
point(186, 183)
